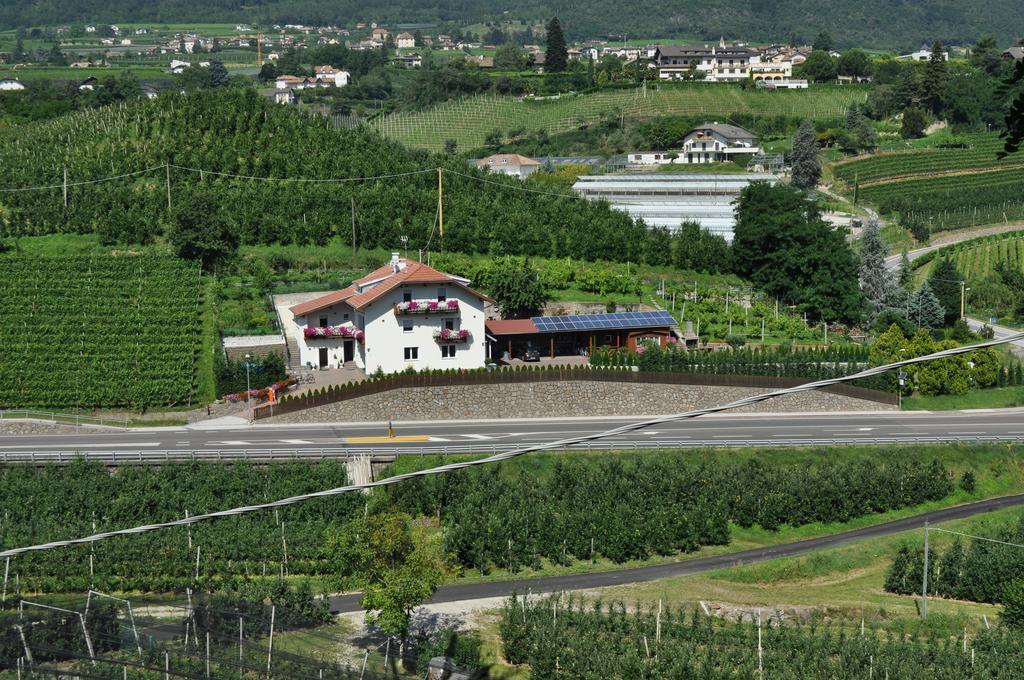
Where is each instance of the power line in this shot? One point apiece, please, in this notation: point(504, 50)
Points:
point(201, 171)
point(514, 187)
point(977, 538)
point(559, 444)
point(301, 179)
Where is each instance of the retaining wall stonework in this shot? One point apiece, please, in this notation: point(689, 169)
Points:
point(560, 400)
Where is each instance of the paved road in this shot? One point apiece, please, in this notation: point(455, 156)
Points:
point(340, 439)
point(949, 238)
point(475, 591)
point(1017, 347)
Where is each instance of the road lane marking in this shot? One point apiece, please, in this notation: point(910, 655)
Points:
point(480, 437)
point(387, 440)
point(295, 441)
point(67, 447)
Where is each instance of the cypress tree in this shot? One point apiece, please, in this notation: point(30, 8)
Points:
point(945, 284)
point(556, 58)
point(804, 157)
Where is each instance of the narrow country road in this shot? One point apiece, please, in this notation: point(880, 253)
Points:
point(459, 592)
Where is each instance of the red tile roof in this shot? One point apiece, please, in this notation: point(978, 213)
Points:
point(323, 301)
point(511, 327)
point(411, 272)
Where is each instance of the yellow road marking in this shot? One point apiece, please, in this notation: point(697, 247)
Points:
point(387, 440)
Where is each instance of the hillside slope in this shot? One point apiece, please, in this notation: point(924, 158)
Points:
point(872, 23)
point(469, 120)
point(238, 133)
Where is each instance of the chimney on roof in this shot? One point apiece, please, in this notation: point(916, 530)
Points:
point(396, 263)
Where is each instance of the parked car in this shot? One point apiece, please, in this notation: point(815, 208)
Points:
point(531, 353)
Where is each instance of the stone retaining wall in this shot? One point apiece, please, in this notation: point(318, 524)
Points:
point(561, 400)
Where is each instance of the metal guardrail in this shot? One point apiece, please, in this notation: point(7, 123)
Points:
point(383, 454)
point(62, 418)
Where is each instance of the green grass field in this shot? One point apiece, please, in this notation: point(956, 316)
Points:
point(469, 120)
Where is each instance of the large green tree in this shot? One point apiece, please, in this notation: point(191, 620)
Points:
point(516, 288)
point(819, 67)
point(935, 81)
point(881, 290)
point(854, 63)
point(396, 569)
point(783, 246)
point(924, 308)
point(199, 231)
point(945, 282)
point(803, 158)
point(556, 59)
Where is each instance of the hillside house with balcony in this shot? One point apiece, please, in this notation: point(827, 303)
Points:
point(403, 315)
point(718, 142)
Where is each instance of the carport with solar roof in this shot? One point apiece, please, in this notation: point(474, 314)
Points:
point(579, 334)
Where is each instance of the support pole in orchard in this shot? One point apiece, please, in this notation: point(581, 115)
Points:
point(924, 578)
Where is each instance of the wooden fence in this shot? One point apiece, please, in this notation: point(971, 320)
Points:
point(558, 374)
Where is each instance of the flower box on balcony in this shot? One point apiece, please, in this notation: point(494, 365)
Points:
point(427, 307)
point(334, 332)
point(446, 335)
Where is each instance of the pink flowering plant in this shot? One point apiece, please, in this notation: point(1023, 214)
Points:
point(426, 306)
point(333, 332)
point(448, 335)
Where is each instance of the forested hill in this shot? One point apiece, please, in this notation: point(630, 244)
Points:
point(237, 132)
point(869, 23)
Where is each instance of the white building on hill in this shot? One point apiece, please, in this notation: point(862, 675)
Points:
point(718, 142)
point(403, 315)
point(512, 164)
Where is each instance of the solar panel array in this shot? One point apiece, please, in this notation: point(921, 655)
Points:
point(594, 322)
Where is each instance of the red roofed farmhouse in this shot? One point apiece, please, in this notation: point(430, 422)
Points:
point(403, 315)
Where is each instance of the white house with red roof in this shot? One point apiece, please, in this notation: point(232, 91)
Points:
point(405, 314)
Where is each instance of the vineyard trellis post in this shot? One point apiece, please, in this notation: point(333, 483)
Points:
point(270, 642)
point(924, 577)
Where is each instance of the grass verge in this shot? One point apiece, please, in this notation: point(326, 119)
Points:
point(998, 397)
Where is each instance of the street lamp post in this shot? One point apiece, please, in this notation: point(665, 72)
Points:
point(248, 403)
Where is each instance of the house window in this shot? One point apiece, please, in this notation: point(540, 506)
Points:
point(412, 353)
point(344, 317)
point(449, 324)
point(442, 294)
point(407, 325)
point(406, 296)
point(323, 322)
point(447, 351)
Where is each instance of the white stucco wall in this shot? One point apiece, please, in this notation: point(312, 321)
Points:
point(309, 348)
point(386, 339)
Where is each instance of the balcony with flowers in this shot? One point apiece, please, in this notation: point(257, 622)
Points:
point(343, 331)
point(427, 307)
point(449, 335)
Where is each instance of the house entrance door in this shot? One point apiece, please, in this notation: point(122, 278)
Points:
point(323, 357)
point(350, 351)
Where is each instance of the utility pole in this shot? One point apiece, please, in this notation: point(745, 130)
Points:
point(167, 168)
point(353, 225)
point(440, 207)
point(963, 298)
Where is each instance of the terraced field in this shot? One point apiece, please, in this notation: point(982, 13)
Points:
point(946, 188)
point(976, 258)
point(468, 121)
